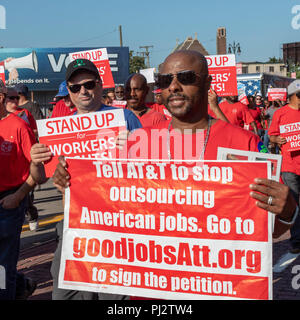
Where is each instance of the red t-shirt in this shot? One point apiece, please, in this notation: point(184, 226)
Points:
point(161, 109)
point(236, 113)
point(61, 110)
point(16, 139)
point(256, 114)
point(151, 118)
point(282, 116)
point(26, 116)
point(222, 134)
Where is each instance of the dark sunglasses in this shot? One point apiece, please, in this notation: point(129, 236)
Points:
point(13, 98)
point(185, 77)
point(298, 95)
point(89, 85)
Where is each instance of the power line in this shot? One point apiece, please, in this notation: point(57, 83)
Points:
point(105, 34)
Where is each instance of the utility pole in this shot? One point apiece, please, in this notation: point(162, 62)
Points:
point(121, 37)
point(147, 53)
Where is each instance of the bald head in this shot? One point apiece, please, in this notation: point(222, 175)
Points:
point(136, 90)
point(194, 58)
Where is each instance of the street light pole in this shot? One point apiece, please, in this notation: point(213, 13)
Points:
point(234, 48)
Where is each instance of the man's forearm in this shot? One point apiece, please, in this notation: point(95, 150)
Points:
point(38, 173)
point(254, 126)
point(25, 188)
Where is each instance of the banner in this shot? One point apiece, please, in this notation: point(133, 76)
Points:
point(100, 58)
point(291, 132)
point(166, 230)
point(89, 135)
point(222, 68)
point(44, 69)
point(277, 94)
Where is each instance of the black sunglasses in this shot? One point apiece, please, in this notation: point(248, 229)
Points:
point(185, 77)
point(13, 97)
point(89, 85)
point(298, 95)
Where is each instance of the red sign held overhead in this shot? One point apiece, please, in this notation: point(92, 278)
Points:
point(277, 94)
point(222, 69)
point(100, 58)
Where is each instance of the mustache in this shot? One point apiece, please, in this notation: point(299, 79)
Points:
point(176, 95)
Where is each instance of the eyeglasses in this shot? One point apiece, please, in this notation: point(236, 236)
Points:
point(186, 77)
point(89, 85)
point(13, 98)
point(298, 95)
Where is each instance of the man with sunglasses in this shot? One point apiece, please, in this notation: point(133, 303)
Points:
point(185, 82)
point(12, 105)
point(119, 92)
point(85, 88)
point(290, 170)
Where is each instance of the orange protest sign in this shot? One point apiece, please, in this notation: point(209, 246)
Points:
point(166, 230)
point(90, 135)
point(100, 58)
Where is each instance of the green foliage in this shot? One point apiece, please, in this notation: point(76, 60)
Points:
point(136, 63)
point(274, 60)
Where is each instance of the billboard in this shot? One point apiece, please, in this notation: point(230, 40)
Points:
point(43, 69)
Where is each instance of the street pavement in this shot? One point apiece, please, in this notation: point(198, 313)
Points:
point(37, 250)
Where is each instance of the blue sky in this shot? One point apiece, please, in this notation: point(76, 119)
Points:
point(260, 26)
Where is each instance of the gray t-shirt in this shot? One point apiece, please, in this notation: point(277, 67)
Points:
point(34, 109)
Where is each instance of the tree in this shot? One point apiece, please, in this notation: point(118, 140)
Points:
point(274, 60)
point(136, 63)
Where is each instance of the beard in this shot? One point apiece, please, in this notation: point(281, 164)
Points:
point(185, 107)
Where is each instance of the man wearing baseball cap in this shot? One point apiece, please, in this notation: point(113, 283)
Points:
point(85, 89)
point(290, 170)
point(65, 106)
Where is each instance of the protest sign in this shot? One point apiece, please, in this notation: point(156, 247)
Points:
point(119, 104)
point(242, 93)
point(291, 132)
point(222, 68)
point(86, 135)
point(277, 94)
point(100, 58)
point(166, 230)
point(242, 155)
point(2, 72)
point(148, 74)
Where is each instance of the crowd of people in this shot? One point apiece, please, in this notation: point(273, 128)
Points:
point(183, 101)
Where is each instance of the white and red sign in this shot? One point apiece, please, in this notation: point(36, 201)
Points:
point(119, 104)
point(277, 94)
point(291, 132)
point(166, 230)
point(222, 68)
point(91, 135)
point(2, 72)
point(100, 58)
